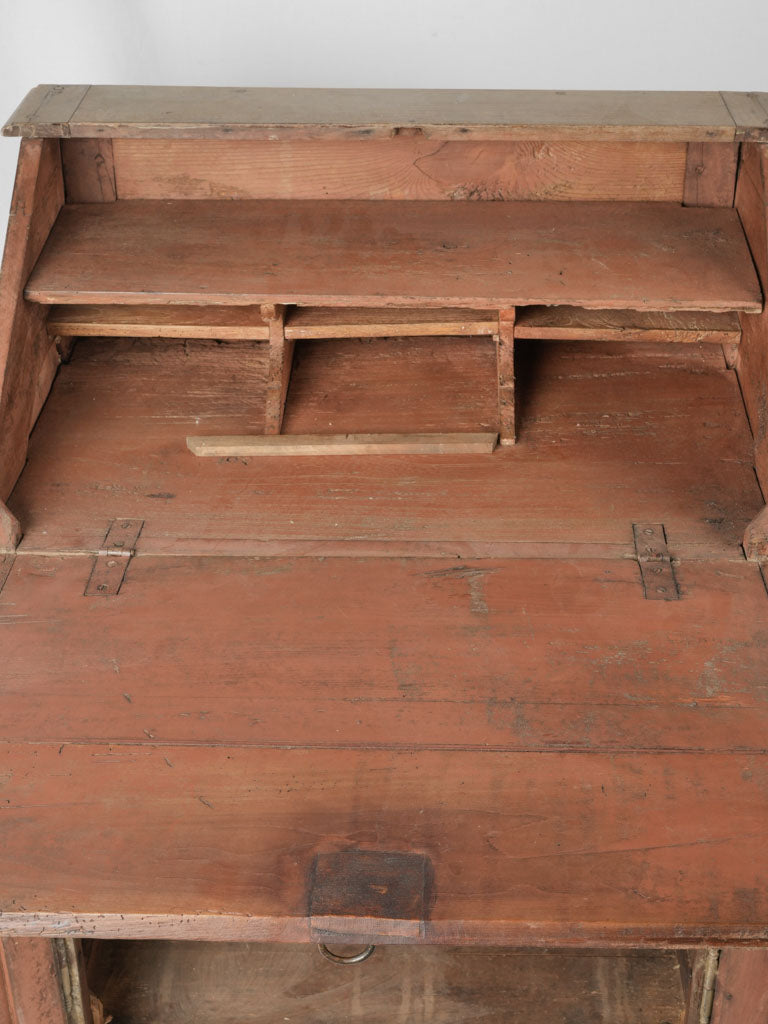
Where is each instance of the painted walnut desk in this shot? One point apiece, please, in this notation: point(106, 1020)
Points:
point(499, 709)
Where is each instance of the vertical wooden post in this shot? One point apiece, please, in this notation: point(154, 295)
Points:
point(279, 370)
point(505, 367)
point(30, 974)
point(741, 991)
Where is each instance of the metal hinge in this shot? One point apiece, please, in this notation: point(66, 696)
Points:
point(111, 562)
point(656, 569)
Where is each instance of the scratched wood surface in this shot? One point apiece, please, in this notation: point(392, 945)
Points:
point(608, 435)
point(400, 168)
point(235, 983)
point(204, 841)
point(507, 655)
point(653, 256)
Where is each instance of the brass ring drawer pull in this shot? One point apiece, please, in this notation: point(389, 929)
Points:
point(337, 958)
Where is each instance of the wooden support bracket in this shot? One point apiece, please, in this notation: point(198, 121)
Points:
point(756, 537)
point(10, 529)
point(279, 370)
point(505, 365)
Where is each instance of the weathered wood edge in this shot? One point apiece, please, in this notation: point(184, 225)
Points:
point(237, 927)
point(749, 111)
point(49, 110)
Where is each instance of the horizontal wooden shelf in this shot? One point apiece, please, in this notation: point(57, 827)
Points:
point(652, 256)
point(570, 323)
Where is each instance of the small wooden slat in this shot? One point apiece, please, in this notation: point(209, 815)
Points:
point(224, 323)
point(278, 368)
point(343, 444)
point(505, 371)
point(89, 170)
point(573, 323)
point(404, 167)
point(332, 253)
point(756, 537)
point(710, 173)
point(161, 111)
point(322, 322)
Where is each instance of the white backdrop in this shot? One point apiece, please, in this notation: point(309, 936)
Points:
point(505, 44)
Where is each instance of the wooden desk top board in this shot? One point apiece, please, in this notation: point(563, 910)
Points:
point(312, 658)
point(250, 113)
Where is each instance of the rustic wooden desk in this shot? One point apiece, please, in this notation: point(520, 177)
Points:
point(396, 684)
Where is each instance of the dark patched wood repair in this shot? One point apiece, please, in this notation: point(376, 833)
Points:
point(369, 894)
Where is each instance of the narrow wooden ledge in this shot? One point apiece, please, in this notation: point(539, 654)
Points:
point(225, 323)
point(344, 444)
point(438, 254)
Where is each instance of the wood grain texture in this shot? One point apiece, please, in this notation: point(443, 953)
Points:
point(615, 255)
point(756, 537)
point(89, 170)
point(749, 111)
point(30, 972)
point(161, 111)
point(216, 842)
point(606, 440)
point(752, 359)
point(741, 996)
point(228, 983)
point(25, 348)
point(399, 168)
point(710, 173)
point(320, 322)
point(227, 323)
point(571, 323)
point(46, 111)
point(342, 444)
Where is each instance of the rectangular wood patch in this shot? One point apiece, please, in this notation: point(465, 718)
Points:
point(368, 894)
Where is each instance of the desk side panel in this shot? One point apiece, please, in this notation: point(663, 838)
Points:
point(28, 357)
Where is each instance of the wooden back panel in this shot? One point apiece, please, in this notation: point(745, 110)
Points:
point(397, 168)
